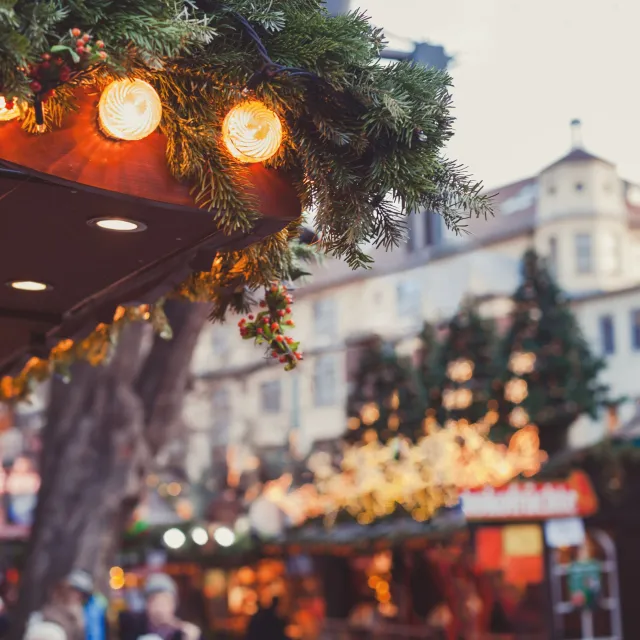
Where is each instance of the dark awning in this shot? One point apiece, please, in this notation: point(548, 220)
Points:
point(53, 185)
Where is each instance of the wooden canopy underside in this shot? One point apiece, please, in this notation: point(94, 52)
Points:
point(52, 185)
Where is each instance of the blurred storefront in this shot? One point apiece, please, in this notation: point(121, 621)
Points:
point(550, 572)
point(513, 562)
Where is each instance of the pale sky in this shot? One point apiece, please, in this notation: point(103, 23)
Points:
point(524, 69)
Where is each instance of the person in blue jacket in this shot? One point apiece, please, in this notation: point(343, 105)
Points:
point(95, 617)
point(95, 605)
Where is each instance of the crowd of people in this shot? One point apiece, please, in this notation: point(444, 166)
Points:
point(73, 611)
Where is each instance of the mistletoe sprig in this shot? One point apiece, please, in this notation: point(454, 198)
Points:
point(269, 326)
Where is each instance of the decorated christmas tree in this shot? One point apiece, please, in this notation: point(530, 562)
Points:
point(465, 368)
point(549, 374)
point(387, 398)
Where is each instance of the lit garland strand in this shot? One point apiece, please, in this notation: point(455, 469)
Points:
point(94, 349)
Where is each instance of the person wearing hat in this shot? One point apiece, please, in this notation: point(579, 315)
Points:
point(63, 614)
point(159, 617)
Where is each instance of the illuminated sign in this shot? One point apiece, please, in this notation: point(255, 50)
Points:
point(573, 497)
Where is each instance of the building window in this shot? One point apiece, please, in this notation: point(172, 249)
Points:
point(325, 381)
point(409, 299)
point(270, 396)
point(635, 329)
point(432, 229)
point(553, 256)
point(325, 317)
point(607, 335)
point(584, 262)
point(611, 254)
point(221, 416)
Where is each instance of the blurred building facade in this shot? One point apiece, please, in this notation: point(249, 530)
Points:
point(578, 212)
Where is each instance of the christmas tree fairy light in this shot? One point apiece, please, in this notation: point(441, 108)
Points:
point(460, 370)
point(516, 390)
point(522, 363)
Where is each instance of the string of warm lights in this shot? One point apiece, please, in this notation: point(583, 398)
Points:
point(131, 110)
point(373, 479)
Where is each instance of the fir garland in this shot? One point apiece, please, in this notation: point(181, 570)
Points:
point(363, 141)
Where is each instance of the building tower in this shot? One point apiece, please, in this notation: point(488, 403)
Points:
point(582, 220)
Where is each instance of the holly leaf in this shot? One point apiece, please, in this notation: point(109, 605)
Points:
point(60, 48)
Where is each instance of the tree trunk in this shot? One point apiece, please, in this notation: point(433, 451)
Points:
point(101, 435)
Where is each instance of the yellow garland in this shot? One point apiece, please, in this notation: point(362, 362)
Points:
point(94, 349)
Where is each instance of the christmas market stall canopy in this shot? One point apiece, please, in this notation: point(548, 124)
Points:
point(144, 142)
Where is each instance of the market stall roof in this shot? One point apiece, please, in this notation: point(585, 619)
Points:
point(390, 530)
point(52, 190)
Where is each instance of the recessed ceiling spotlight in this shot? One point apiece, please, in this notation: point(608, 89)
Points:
point(118, 224)
point(28, 285)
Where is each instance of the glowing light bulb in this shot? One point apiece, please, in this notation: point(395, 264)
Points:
point(460, 370)
point(116, 572)
point(129, 110)
point(200, 536)
point(369, 413)
point(224, 536)
point(9, 113)
point(117, 224)
point(117, 582)
point(522, 363)
point(518, 418)
point(516, 390)
point(174, 538)
point(28, 285)
point(252, 132)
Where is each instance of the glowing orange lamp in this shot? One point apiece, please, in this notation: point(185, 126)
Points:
point(8, 111)
point(129, 110)
point(252, 132)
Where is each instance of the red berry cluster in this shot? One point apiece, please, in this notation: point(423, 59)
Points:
point(269, 325)
point(74, 54)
